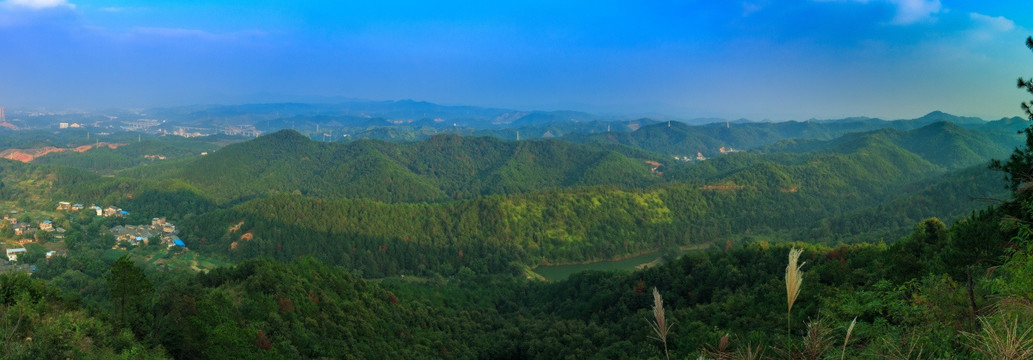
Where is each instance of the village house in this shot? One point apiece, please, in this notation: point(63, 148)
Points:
point(64, 205)
point(135, 234)
point(77, 207)
point(110, 211)
point(46, 225)
point(12, 254)
point(21, 228)
point(6, 266)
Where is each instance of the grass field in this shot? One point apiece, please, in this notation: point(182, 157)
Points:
point(561, 272)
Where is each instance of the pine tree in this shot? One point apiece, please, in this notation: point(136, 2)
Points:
point(128, 285)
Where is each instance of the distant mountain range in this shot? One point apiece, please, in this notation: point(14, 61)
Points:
point(408, 120)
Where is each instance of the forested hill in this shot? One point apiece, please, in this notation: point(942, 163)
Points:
point(872, 189)
point(440, 168)
point(678, 139)
point(944, 144)
point(416, 204)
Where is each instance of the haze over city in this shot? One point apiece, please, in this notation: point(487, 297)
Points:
point(777, 60)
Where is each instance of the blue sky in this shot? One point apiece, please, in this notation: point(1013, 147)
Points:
point(756, 59)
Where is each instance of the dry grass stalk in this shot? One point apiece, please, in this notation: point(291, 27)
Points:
point(660, 324)
point(849, 331)
point(817, 342)
point(1008, 344)
point(722, 352)
point(751, 353)
point(903, 351)
point(814, 346)
point(794, 279)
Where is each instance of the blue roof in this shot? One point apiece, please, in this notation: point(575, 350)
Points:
point(47, 221)
point(179, 242)
point(124, 212)
point(78, 205)
point(139, 238)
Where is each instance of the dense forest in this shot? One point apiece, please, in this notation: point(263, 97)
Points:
point(298, 248)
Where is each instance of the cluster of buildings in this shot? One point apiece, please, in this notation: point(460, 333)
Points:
point(105, 212)
point(137, 234)
point(23, 228)
point(6, 266)
point(700, 157)
point(12, 253)
point(67, 206)
point(159, 228)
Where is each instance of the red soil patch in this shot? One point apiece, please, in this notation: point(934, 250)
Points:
point(28, 155)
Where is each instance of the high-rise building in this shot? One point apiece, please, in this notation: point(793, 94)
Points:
point(3, 117)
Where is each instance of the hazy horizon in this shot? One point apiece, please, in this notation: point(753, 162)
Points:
point(758, 60)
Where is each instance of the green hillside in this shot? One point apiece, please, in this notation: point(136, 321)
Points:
point(153, 150)
point(739, 195)
point(944, 144)
point(440, 168)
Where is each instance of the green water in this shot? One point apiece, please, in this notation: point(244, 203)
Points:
point(561, 272)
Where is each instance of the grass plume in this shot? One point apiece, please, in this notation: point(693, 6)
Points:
point(659, 323)
point(794, 279)
point(849, 331)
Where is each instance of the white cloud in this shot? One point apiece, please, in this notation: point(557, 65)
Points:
point(193, 33)
point(912, 11)
point(25, 12)
point(908, 11)
point(39, 4)
point(998, 23)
